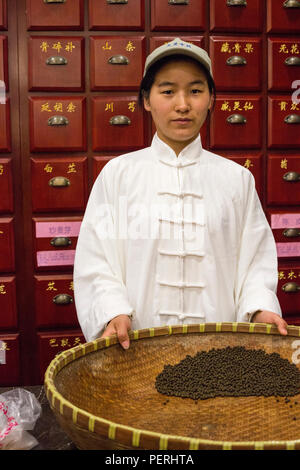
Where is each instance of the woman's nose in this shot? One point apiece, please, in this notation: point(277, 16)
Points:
point(182, 103)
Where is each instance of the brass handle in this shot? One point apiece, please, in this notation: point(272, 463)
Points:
point(291, 287)
point(291, 176)
point(292, 119)
point(113, 2)
point(58, 121)
point(178, 2)
point(291, 232)
point(237, 3)
point(55, 1)
point(60, 241)
point(59, 182)
point(291, 4)
point(236, 60)
point(118, 60)
point(236, 119)
point(56, 60)
point(292, 61)
point(63, 299)
point(120, 121)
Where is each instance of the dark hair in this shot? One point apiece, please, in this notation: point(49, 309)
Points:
point(149, 78)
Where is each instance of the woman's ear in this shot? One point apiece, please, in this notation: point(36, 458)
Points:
point(147, 103)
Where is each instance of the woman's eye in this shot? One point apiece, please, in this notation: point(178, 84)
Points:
point(195, 91)
point(167, 92)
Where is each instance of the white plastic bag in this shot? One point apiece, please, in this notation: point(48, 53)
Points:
point(19, 411)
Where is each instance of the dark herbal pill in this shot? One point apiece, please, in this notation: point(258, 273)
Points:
point(231, 371)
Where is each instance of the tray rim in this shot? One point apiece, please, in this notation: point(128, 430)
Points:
point(86, 421)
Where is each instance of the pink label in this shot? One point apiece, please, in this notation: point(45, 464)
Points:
point(285, 221)
point(55, 258)
point(57, 229)
point(288, 250)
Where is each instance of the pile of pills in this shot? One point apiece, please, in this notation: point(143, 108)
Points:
point(230, 372)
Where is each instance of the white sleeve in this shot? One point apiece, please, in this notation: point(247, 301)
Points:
point(257, 271)
point(99, 288)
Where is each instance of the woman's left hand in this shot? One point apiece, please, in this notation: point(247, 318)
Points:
point(265, 316)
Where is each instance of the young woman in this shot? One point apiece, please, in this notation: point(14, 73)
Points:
point(172, 233)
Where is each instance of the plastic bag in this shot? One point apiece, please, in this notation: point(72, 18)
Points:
point(19, 411)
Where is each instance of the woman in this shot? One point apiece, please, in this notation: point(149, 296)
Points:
point(174, 234)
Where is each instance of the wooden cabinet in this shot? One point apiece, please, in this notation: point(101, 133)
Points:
point(117, 15)
point(236, 15)
point(177, 15)
point(283, 16)
point(58, 15)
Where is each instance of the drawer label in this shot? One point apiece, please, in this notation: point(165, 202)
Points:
point(285, 221)
point(55, 258)
point(57, 229)
point(288, 250)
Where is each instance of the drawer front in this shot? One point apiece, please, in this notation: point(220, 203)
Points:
point(3, 14)
point(51, 343)
point(60, 15)
point(117, 123)
point(56, 63)
point(8, 306)
point(99, 163)
point(6, 187)
point(288, 290)
point(236, 15)
point(5, 125)
point(283, 63)
point(283, 122)
point(285, 225)
point(9, 360)
point(236, 122)
point(59, 184)
point(54, 302)
point(283, 16)
point(117, 15)
point(116, 62)
point(57, 124)
point(7, 245)
point(55, 242)
point(283, 184)
point(237, 62)
point(181, 15)
point(253, 162)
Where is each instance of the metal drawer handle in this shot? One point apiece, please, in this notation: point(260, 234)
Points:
point(291, 176)
point(113, 2)
point(292, 119)
point(291, 232)
point(60, 241)
point(63, 299)
point(237, 3)
point(292, 61)
point(118, 60)
point(59, 182)
point(58, 121)
point(120, 121)
point(291, 4)
point(56, 60)
point(55, 1)
point(236, 119)
point(236, 60)
point(291, 287)
point(178, 2)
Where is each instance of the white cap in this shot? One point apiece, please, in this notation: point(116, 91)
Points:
point(178, 46)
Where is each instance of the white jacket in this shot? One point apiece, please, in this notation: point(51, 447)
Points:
point(173, 240)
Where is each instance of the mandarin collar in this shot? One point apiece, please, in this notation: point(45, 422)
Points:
point(189, 155)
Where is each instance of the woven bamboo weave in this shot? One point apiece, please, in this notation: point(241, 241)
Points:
point(105, 397)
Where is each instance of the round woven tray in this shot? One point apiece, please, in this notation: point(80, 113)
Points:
point(105, 397)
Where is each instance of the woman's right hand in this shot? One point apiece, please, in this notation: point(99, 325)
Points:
point(119, 325)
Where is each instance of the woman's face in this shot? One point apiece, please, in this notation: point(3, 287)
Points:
point(178, 101)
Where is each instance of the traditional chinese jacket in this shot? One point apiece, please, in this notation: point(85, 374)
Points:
point(173, 240)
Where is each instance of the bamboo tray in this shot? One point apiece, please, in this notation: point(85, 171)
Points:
point(105, 397)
